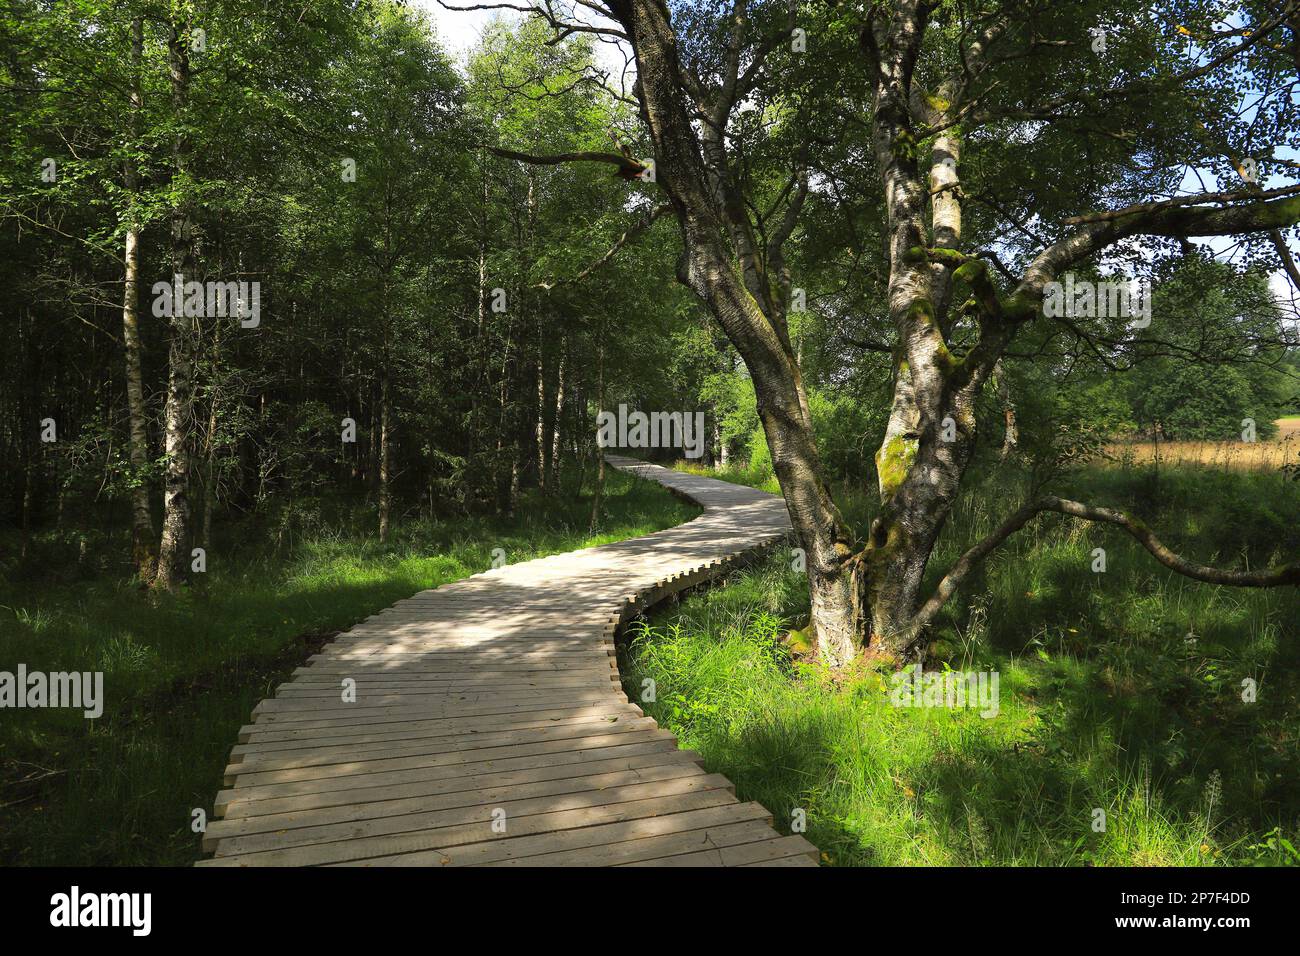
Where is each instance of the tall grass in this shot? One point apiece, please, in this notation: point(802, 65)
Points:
point(1121, 692)
point(1227, 455)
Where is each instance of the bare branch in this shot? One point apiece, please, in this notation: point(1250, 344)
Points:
point(1240, 195)
point(628, 168)
point(629, 236)
point(1288, 574)
point(544, 10)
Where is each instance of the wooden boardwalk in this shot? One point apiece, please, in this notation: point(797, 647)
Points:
point(490, 726)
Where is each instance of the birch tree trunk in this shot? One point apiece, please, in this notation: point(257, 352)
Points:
point(173, 549)
point(144, 546)
point(1011, 433)
point(600, 452)
point(385, 453)
point(741, 299)
point(539, 431)
point(554, 481)
point(864, 595)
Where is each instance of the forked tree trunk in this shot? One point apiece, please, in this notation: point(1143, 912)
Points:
point(857, 597)
point(871, 595)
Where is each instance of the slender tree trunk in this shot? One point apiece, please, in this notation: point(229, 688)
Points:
point(28, 502)
point(600, 452)
point(210, 443)
point(556, 425)
point(144, 544)
point(482, 354)
point(1011, 434)
point(504, 465)
point(540, 430)
point(372, 443)
point(385, 453)
point(173, 550)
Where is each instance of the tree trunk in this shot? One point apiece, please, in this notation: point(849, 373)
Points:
point(1011, 434)
point(210, 446)
point(931, 427)
point(555, 426)
point(504, 470)
point(173, 549)
point(737, 302)
point(869, 596)
point(385, 454)
point(144, 547)
point(600, 452)
point(540, 430)
point(28, 503)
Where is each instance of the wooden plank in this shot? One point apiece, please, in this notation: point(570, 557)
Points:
point(647, 850)
point(411, 729)
point(299, 719)
point(392, 685)
point(244, 804)
point(748, 854)
point(247, 790)
point(522, 848)
point(437, 797)
point(363, 764)
point(458, 702)
point(262, 760)
point(512, 811)
point(785, 861)
point(443, 838)
point(310, 730)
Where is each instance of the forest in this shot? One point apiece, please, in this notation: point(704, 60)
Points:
point(309, 307)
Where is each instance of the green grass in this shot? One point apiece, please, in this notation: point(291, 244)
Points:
point(1106, 703)
point(181, 674)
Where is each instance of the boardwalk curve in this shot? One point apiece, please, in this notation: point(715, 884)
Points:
point(490, 727)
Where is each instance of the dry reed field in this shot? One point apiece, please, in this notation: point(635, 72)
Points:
point(1228, 455)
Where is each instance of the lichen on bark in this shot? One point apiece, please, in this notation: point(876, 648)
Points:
point(893, 462)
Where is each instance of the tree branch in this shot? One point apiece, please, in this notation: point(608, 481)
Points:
point(628, 168)
point(1162, 219)
point(1288, 574)
point(630, 235)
